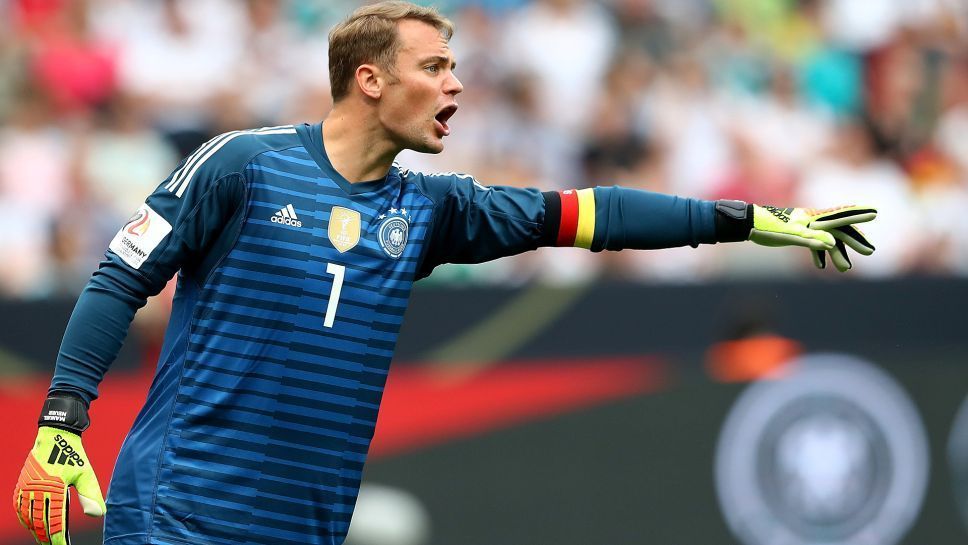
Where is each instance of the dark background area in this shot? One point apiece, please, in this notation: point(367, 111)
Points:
point(631, 468)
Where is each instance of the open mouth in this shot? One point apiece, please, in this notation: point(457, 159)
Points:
point(443, 116)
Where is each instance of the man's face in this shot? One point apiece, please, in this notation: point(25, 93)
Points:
point(420, 98)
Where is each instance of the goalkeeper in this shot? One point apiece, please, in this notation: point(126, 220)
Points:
point(296, 248)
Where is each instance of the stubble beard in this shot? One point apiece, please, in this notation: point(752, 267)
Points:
point(421, 142)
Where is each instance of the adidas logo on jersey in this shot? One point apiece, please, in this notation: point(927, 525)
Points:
point(64, 453)
point(287, 216)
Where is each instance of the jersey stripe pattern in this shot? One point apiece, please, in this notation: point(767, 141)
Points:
point(260, 417)
point(292, 285)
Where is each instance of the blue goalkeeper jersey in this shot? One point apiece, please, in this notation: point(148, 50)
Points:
point(292, 286)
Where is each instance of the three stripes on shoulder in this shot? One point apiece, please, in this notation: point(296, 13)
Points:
point(182, 177)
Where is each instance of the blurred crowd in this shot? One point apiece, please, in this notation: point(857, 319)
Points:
point(790, 102)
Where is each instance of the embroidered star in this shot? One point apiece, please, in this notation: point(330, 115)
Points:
point(403, 211)
point(393, 210)
point(381, 216)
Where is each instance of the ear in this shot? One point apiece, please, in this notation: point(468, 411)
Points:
point(370, 79)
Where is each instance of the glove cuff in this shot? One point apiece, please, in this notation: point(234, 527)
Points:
point(734, 221)
point(65, 412)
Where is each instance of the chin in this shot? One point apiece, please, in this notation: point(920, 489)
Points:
point(432, 146)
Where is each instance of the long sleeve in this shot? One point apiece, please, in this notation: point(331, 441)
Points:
point(475, 223)
point(97, 328)
point(176, 229)
point(642, 220)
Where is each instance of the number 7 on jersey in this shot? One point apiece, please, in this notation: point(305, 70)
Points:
point(337, 271)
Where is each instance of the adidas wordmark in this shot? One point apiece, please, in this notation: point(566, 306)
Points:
point(287, 216)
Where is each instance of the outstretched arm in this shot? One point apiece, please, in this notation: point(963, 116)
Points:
point(475, 223)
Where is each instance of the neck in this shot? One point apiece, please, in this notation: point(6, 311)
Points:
point(357, 145)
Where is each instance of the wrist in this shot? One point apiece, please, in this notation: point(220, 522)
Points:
point(734, 221)
point(65, 412)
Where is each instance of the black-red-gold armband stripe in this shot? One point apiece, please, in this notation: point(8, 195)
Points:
point(577, 225)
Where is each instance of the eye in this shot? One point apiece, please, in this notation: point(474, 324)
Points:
point(433, 69)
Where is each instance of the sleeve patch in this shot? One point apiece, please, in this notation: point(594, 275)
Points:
point(140, 236)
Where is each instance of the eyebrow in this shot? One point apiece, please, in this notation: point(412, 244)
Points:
point(440, 59)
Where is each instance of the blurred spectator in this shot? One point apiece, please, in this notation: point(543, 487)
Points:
point(759, 19)
point(617, 140)
point(807, 102)
point(897, 77)
point(567, 45)
point(690, 17)
point(548, 159)
point(862, 26)
point(35, 157)
point(124, 159)
point(642, 26)
point(942, 191)
point(277, 65)
point(768, 121)
point(72, 67)
point(953, 122)
point(12, 67)
point(179, 58)
point(74, 253)
point(943, 176)
point(733, 62)
point(689, 117)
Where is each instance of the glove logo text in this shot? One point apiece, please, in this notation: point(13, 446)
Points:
point(56, 416)
point(63, 453)
point(783, 214)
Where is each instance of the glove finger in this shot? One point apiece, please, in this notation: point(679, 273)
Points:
point(47, 494)
point(839, 256)
point(808, 238)
point(838, 217)
point(854, 238)
point(38, 516)
point(89, 493)
point(819, 258)
point(29, 503)
point(817, 239)
point(58, 522)
point(30, 511)
point(21, 503)
point(52, 519)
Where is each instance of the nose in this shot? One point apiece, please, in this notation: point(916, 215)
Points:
point(453, 86)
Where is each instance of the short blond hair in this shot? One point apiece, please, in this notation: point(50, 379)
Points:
point(369, 35)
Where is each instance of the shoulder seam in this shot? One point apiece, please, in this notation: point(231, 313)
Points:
point(430, 228)
point(194, 210)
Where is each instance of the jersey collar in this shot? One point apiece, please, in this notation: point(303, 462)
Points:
point(312, 139)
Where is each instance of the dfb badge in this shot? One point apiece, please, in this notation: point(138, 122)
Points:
point(393, 232)
point(832, 452)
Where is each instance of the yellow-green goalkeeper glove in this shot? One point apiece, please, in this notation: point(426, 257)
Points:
point(57, 461)
point(829, 230)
